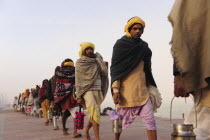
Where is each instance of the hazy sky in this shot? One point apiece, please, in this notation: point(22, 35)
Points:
point(37, 35)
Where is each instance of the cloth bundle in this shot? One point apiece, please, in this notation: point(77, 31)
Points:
point(79, 119)
point(113, 114)
point(29, 109)
point(155, 97)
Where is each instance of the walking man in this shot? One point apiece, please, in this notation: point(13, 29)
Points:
point(63, 97)
point(44, 101)
point(91, 85)
point(131, 76)
point(191, 50)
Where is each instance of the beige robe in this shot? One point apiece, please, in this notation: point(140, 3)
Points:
point(133, 89)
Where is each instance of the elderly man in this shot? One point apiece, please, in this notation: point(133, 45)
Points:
point(63, 97)
point(131, 76)
point(91, 84)
point(191, 51)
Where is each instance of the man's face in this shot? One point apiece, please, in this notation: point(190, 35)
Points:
point(89, 52)
point(45, 83)
point(136, 31)
point(69, 70)
point(56, 72)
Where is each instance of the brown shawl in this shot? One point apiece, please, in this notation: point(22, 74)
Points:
point(190, 41)
point(86, 73)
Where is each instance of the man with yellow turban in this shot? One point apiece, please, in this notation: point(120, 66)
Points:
point(131, 76)
point(64, 93)
point(91, 84)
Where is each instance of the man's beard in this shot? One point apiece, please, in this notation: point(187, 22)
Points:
point(91, 55)
point(137, 36)
point(69, 72)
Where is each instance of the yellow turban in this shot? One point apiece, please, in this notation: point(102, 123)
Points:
point(68, 64)
point(131, 22)
point(27, 89)
point(85, 45)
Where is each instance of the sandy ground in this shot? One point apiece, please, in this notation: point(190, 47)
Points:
point(17, 126)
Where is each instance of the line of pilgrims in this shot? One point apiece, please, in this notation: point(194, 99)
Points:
point(85, 84)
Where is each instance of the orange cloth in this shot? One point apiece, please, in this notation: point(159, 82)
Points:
point(26, 94)
point(45, 107)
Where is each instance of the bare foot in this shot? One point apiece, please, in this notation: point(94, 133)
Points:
point(46, 123)
point(65, 132)
point(87, 136)
point(77, 135)
point(66, 129)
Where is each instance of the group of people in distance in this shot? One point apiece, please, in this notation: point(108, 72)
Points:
point(86, 86)
point(86, 82)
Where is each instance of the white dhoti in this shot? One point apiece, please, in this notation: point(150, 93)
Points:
point(202, 130)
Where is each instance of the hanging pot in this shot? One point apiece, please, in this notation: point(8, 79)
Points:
point(182, 131)
point(55, 122)
point(49, 114)
point(117, 125)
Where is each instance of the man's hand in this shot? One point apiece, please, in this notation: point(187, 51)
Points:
point(52, 105)
point(179, 89)
point(79, 101)
point(116, 97)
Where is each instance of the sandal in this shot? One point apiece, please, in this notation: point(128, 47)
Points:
point(65, 132)
point(77, 135)
point(46, 123)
